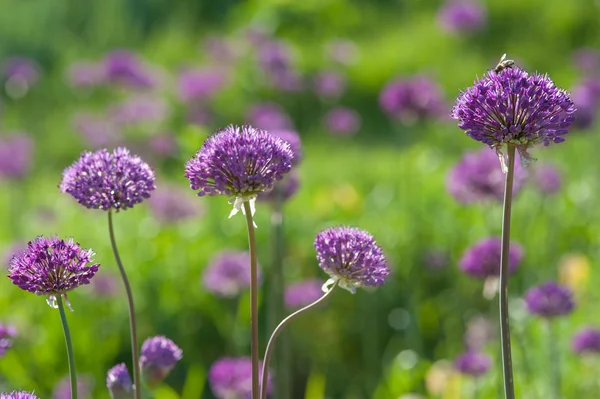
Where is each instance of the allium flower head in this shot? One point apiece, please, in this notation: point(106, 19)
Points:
point(472, 363)
point(514, 107)
point(477, 178)
point(239, 162)
point(462, 16)
point(15, 156)
point(302, 293)
point(108, 180)
point(285, 189)
point(586, 340)
point(228, 273)
point(549, 300)
point(231, 378)
point(118, 382)
point(17, 395)
point(51, 266)
point(7, 333)
point(293, 138)
point(125, 68)
point(342, 121)
point(158, 357)
point(482, 260)
point(586, 94)
point(413, 99)
point(352, 257)
point(547, 178)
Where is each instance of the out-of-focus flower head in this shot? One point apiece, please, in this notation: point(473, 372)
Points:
point(125, 68)
point(462, 16)
point(472, 363)
point(302, 293)
point(549, 300)
point(412, 99)
point(104, 285)
point(170, 204)
point(342, 121)
point(231, 378)
point(293, 138)
point(97, 130)
point(118, 382)
point(285, 188)
point(7, 333)
point(482, 259)
point(228, 273)
point(275, 60)
point(15, 156)
point(17, 395)
point(342, 51)
point(86, 74)
point(199, 84)
point(20, 74)
point(329, 85)
point(163, 144)
point(62, 389)
point(269, 116)
point(586, 340)
point(587, 59)
point(198, 114)
point(220, 49)
point(158, 357)
point(586, 94)
point(480, 331)
point(436, 259)
point(140, 110)
point(546, 178)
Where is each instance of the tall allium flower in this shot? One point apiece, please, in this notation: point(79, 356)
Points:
point(228, 273)
point(230, 378)
point(549, 300)
point(17, 395)
point(170, 205)
point(514, 107)
point(199, 84)
point(269, 116)
point(586, 340)
point(547, 178)
point(342, 121)
point(158, 357)
point(118, 382)
point(51, 267)
point(412, 99)
point(107, 180)
point(239, 162)
point(62, 389)
point(285, 189)
point(473, 363)
point(7, 333)
point(125, 68)
point(477, 178)
point(482, 260)
point(462, 16)
point(302, 293)
point(15, 156)
point(351, 257)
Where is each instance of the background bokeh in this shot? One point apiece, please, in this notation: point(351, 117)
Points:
point(384, 171)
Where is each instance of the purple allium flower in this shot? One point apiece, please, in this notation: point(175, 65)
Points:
point(587, 60)
point(170, 204)
point(329, 85)
point(62, 390)
point(51, 266)
point(482, 260)
point(342, 121)
point(276, 61)
point(158, 357)
point(17, 395)
point(15, 156)
point(462, 16)
point(549, 300)
point(228, 273)
point(342, 51)
point(352, 257)
point(269, 116)
point(140, 110)
point(286, 188)
point(514, 107)
point(231, 378)
point(477, 178)
point(97, 130)
point(199, 84)
point(125, 68)
point(473, 363)
point(302, 293)
point(293, 139)
point(239, 162)
point(119, 382)
point(586, 340)
point(586, 94)
point(86, 74)
point(7, 333)
point(547, 178)
point(108, 180)
point(413, 99)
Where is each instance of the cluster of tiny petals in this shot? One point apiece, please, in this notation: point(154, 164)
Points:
point(51, 266)
point(514, 107)
point(239, 162)
point(18, 395)
point(108, 180)
point(549, 300)
point(351, 257)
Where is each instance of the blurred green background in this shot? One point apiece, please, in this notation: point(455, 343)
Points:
point(388, 178)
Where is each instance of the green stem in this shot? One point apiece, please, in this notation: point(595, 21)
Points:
point(554, 359)
point(70, 353)
point(277, 331)
point(253, 299)
point(137, 385)
point(509, 389)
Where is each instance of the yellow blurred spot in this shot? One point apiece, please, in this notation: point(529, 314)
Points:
point(442, 379)
point(346, 196)
point(574, 271)
point(315, 386)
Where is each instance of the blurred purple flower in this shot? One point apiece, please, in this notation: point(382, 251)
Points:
point(480, 331)
point(286, 187)
point(199, 84)
point(118, 382)
point(276, 61)
point(7, 333)
point(220, 49)
point(163, 145)
point(587, 59)
point(329, 85)
point(586, 94)
point(125, 68)
point(198, 114)
point(97, 130)
point(104, 285)
point(86, 74)
point(342, 51)
point(62, 389)
point(20, 74)
point(302, 293)
point(586, 340)
point(462, 16)
point(547, 178)
point(170, 204)
point(228, 273)
point(549, 300)
point(15, 156)
point(140, 110)
point(482, 259)
point(478, 177)
point(436, 259)
point(231, 378)
point(158, 357)
point(269, 116)
point(342, 121)
point(472, 363)
point(412, 99)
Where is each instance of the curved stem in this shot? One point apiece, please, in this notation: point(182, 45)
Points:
point(137, 385)
point(277, 331)
point(509, 389)
point(253, 299)
point(70, 353)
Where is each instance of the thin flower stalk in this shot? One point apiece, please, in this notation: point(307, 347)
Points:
point(69, 343)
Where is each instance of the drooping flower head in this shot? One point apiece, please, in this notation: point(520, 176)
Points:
point(158, 357)
point(477, 178)
point(118, 382)
point(302, 293)
point(231, 378)
point(547, 178)
point(412, 99)
point(352, 257)
point(228, 273)
point(549, 300)
point(17, 395)
point(342, 121)
point(514, 107)
point(51, 266)
point(15, 156)
point(7, 333)
point(107, 180)
point(482, 260)
point(462, 16)
point(473, 363)
point(239, 162)
point(586, 340)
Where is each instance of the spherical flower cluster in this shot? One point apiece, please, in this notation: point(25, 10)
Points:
point(478, 178)
point(549, 300)
point(514, 107)
point(302, 293)
point(15, 156)
point(351, 257)
point(472, 363)
point(228, 274)
point(462, 16)
point(342, 121)
point(118, 382)
point(547, 178)
point(108, 180)
point(412, 100)
point(17, 395)
point(7, 333)
point(158, 357)
point(51, 266)
point(231, 378)
point(482, 260)
point(586, 340)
